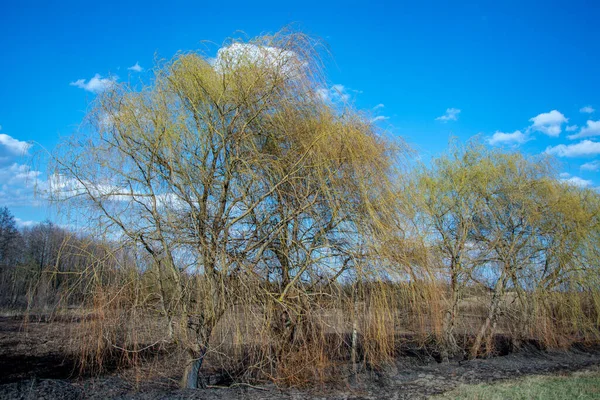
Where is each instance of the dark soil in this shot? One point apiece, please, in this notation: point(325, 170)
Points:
point(35, 349)
point(38, 363)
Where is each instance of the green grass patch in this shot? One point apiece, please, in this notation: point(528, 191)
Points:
point(579, 385)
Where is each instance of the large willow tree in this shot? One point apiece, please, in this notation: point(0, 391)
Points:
point(237, 180)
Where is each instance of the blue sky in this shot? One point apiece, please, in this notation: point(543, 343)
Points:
point(522, 74)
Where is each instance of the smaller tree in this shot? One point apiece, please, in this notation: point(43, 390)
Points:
point(444, 214)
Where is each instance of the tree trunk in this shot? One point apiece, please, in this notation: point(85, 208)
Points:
point(191, 376)
point(199, 333)
point(450, 346)
point(491, 318)
point(354, 336)
point(480, 335)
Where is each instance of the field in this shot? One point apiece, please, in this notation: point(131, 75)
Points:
point(579, 385)
point(40, 360)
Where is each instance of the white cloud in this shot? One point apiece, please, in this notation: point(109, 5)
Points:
point(24, 224)
point(97, 84)
point(17, 181)
point(571, 128)
point(591, 166)
point(379, 118)
point(587, 110)
point(340, 89)
point(323, 94)
point(516, 137)
point(335, 94)
point(137, 67)
point(17, 185)
point(240, 54)
point(61, 187)
point(549, 123)
point(19, 174)
point(450, 115)
point(12, 146)
point(378, 106)
point(581, 149)
point(577, 181)
point(592, 128)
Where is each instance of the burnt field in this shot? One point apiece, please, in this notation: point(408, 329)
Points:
point(39, 359)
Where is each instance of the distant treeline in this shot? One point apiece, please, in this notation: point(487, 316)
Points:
point(45, 266)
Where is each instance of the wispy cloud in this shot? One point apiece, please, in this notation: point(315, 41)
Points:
point(581, 149)
point(97, 84)
point(587, 110)
point(450, 115)
point(513, 138)
point(549, 123)
point(571, 128)
point(137, 67)
point(379, 118)
point(591, 166)
point(592, 128)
